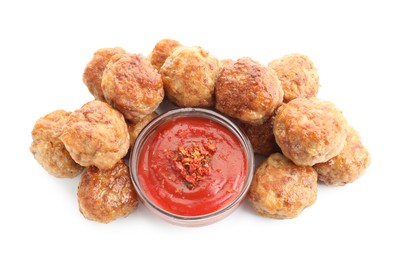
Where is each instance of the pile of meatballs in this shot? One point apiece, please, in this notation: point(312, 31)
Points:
point(305, 140)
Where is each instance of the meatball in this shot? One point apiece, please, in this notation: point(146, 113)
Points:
point(348, 165)
point(48, 149)
point(310, 131)
point(162, 50)
point(248, 91)
point(298, 76)
point(96, 135)
point(261, 137)
point(281, 189)
point(189, 76)
point(132, 86)
point(105, 195)
point(93, 72)
point(135, 128)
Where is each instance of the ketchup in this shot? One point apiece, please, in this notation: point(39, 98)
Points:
point(192, 166)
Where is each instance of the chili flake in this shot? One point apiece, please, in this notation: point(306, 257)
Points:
point(193, 162)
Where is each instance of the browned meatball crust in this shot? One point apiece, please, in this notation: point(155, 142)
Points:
point(310, 131)
point(162, 50)
point(105, 195)
point(132, 86)
point(298, 76)
point(48, 149)
point(189, 75)
point(96, 135)
point(135, 128)
point(93, 72)
point(261, 137)
point(280, 189)
point(227, 62)
point(348, 165)
point(248, 91)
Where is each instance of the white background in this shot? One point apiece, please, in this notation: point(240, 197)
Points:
point(45, 46)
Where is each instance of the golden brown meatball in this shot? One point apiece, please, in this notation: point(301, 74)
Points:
point(105, 195)
point(261, 137)
point(281, 189)
point(248, 91)
point(135, 128)
point(96, 135)
point(348, 165)
point(298, 76)
point(189, 76)
point(93, 73)
point(162, 50)
point(310, 131)
point(48, 149)
point(132, 86)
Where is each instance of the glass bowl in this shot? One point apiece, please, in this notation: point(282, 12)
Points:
point(140, 153)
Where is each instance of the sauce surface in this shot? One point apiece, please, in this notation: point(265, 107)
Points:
point(192, 166)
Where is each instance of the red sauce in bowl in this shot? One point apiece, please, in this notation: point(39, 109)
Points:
point(192, 166)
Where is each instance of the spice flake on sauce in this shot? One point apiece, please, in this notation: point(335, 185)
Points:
point(193, 162)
